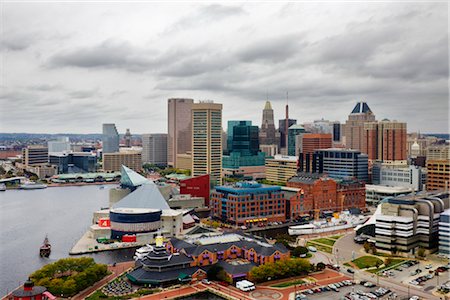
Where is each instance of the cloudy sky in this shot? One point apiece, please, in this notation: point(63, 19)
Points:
point(69, 67)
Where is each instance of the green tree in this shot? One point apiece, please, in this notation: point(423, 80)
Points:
point(378, 263)
point(298, 251)
point(281, 269)
point(68, 276)
point(388, 261)
point(69, 287)
point(421, 252)
point(222, 276)
point(213, 271)
point(320, 266)
point(367, 247)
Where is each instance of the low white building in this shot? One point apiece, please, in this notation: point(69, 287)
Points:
point(376, 193)
point(408, 176)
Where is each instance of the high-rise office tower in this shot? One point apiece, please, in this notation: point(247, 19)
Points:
point(283, 126)
point(179, 128)
point(315, 141)
point(207, 140)
point(244, 139)
point(385, 140)
point(336, 131)
point(339, 163)
point(295, 133)
point(283, 130)
point(268, 135)
point(34, 155)
point(61, 144)
point(127, 138)
point(230, 131)
point(354, 126)
point(110, 138)
point(154, 149)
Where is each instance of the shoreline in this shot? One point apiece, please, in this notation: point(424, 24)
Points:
point(50, 185)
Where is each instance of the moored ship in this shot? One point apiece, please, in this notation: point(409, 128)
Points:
point(46, 248)
point(343, 222)
point(32, 186)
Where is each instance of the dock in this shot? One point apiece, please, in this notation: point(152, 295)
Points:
point(89, 245)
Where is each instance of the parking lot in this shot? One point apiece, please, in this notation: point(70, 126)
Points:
point(354, 292)
point(421, 274)
point(347, 289)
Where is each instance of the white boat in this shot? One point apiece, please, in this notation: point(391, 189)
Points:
point(344, 222)
point(2, 187)
point(142, 252)
point(32, 186)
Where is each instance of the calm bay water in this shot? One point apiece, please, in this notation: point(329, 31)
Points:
point(63, 213)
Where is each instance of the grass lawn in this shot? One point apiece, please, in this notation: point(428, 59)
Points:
point(367, 262)
point(325, 241)
point(288, 283)
point(389, 266)
point(320, 247)
point(335, 237)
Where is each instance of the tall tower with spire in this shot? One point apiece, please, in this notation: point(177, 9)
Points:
point(268, 134)
point(354, 126)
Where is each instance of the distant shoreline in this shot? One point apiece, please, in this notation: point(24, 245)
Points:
point(68, 184)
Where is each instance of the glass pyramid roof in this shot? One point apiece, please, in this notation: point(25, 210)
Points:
point(130, 178)
point(145, 196)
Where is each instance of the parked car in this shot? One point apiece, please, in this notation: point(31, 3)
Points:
point(428, 266)
point(350, 271)
point(312, 249)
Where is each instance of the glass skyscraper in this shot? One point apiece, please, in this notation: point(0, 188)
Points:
point(110, 138)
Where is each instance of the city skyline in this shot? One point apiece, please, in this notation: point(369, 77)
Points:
point(71, 67)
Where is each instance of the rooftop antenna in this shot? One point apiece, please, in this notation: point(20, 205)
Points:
point(286, 124)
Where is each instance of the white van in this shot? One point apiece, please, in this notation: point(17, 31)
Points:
point(245, 285)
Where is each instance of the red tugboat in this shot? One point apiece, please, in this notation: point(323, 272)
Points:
point(45, 249)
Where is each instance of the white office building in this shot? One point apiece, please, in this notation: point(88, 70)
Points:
point(376, 193)
point(154, 149)
point(61, 144)
point(444, 233)
point(409, 176)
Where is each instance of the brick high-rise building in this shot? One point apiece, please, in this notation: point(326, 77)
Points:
point(354, 126)
point(268, 135)
point(207, 140)
point(438, 176)
point(179, 128)
point(385, 140)
point(316, 141)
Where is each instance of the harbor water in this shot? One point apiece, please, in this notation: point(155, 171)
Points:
point(62, 213)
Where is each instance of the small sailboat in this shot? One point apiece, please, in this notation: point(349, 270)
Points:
point(46, 248)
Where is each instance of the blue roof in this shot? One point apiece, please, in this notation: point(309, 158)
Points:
point(262, 189)
point(130, 178)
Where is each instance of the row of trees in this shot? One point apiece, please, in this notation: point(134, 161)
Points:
point(281, 269)
point(69, 276)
